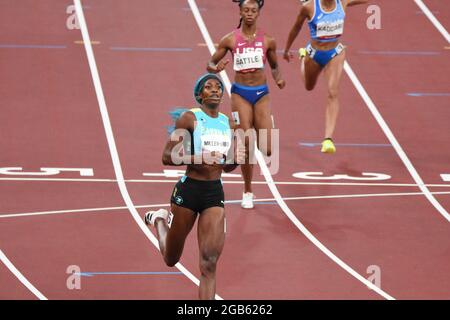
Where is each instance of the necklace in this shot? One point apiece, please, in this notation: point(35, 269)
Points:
point(249, 37)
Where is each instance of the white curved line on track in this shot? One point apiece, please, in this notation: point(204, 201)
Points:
point(111, 142)
point(148, 206)
point(387, 131)
point(433, 19)
point(268, 176)
point(371, 184)
point(20, 276)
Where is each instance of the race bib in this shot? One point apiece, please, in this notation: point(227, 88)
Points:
point(248, 60)
point(215, 142)
point(330, 29)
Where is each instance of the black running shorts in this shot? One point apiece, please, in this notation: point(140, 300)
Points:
point(198, 195)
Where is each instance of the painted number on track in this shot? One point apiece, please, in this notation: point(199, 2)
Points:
point(365, 176)
point(18, 171)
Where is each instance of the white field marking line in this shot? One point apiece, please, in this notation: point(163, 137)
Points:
point(367, 195)
point(374, 184)
point(387, 131)
point(433, 19)
point(43, 213)
point(111, 142)
point(269, 178)
point(20, 276)
point(59, 179)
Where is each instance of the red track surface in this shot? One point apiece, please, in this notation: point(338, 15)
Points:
point(50, 118)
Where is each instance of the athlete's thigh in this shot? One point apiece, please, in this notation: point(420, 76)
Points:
point(262, 114)
point(333, 71)
point(211, 231)
point(182, 222)
point(244, 110)
point(312, 72)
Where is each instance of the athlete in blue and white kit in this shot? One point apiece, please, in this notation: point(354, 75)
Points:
point(199, 193)
point(324, 52)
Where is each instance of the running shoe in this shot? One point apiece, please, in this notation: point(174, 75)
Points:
point(151, 216)
point(247, 200)
point(328, 146)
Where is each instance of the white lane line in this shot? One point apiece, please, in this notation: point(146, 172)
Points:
point(58, 179)
point(371, 184)
point(20, 276)
point(53, 212)
point(269, 178)
point(106, 209)
point(110, 137)
point(374, 184)
point(433, 19)
point(387, 131)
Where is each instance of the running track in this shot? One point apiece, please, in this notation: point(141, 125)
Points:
point(148, 55)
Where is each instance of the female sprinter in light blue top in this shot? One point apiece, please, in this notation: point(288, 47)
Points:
point(206, 141)
point(324, 52)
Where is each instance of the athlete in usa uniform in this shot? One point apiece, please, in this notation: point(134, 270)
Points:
point(324, 52)
point(250, 48)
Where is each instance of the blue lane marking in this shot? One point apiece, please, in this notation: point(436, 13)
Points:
point(409, 53)
point(151, 49)
point(422, 94)
point(91, 274)
point(31, 46)
point(365, 145)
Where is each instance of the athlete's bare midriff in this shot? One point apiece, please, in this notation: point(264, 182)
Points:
point(251, 79)
point(324, 46)
point(204, 172)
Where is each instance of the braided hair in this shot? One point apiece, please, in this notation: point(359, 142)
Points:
point(241, 2)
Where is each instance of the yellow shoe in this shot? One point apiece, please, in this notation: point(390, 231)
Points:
point(302, 53)
point(328, 146)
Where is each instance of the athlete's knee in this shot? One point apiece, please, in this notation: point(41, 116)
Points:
point(309, 86)
point(208, 263)
point(264, 142)
point(171, 261)
point(333, 93)
point(246, 128)
point(267, 151)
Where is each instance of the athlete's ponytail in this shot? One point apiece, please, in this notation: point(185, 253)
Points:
point(241, 2)
point(175, 113)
